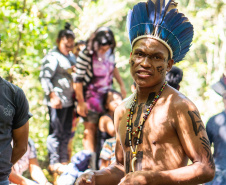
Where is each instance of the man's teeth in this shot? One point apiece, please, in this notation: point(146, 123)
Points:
point(143, 73)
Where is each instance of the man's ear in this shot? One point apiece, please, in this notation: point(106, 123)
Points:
point(130, 56)
point(169, 65)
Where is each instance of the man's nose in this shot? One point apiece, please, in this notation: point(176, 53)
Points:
point(146, 62)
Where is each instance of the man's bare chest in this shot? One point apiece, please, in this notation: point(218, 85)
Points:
point(157, 131)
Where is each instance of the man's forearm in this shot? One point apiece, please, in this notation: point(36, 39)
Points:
point(112, 175)
point(194, 174)
point(18, 152)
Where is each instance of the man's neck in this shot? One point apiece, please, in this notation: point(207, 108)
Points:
point(144, 93)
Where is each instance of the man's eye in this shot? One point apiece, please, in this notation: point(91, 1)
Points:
point(139, 54)
point(157, 58)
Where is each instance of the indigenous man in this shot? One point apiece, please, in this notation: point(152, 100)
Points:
point(157, 128)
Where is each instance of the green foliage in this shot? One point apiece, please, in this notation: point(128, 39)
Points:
point(29, 30)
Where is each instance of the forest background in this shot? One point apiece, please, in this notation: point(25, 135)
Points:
point(29, 29)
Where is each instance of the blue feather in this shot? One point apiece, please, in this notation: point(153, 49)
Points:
point(129, 23)
point(158, 12)
point(151, 11)
point(176, 21)
point(164, 9)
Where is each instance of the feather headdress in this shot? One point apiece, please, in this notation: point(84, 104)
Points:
point(158, 20)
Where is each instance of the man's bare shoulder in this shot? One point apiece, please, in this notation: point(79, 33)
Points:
point(121, 109)
point(178, 100)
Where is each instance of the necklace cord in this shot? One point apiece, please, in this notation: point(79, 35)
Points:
point(141, 124)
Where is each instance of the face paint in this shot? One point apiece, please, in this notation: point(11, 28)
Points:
point(127, 162)
point(132, 62)
point(160, 69)
point(139, 112)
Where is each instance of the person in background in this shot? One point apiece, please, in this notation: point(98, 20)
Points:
point(107, 154)
point(57, 83)
point(157, 128)
point(28, 161)
point(174, 77)
point(78, 165)
point(106, 129)
point(95, 69)
point(79, 46)
point(216, 131)
point(14, 125)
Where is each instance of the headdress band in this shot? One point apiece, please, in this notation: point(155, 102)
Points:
point(156, 38)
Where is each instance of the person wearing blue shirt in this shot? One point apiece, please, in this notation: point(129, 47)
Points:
point(216, 131)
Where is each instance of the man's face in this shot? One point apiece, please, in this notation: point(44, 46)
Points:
point(66, 45)
point(149, 62)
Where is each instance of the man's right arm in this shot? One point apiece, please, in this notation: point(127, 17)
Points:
point(112, 175)
point(115, 172)
point(20, 142)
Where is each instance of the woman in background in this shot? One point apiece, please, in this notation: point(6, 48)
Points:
point(95, 69)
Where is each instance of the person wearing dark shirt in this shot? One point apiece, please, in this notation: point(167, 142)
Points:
point(14, 125)
point(216, 131)
point(56, 79)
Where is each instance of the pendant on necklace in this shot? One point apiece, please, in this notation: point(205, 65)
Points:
point(133, 161)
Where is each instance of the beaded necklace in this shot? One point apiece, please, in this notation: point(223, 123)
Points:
point(140, 127)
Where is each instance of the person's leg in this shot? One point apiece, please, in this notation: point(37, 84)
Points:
point(90, 130)
point(75, 121)
point(89, 139)
point(89, 142)
point(65, 134)
point(54, 135)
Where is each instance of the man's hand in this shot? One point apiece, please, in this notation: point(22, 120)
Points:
point(138, 177)
point(55, 101)
point(82, 109)
point(86, 179)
